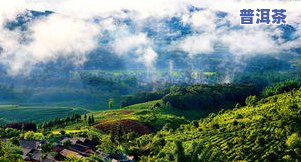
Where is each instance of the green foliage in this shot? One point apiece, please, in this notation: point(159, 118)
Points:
point(92, 134)
point(179, 152)
point(61, 122)
point(143, 97)
point(73, 159)
point(280, 87)
point(107, 145)
point(294, 141)
point(9, 132)
point(269, 131)
point(46, 148)
point(10, 152)
point(30, 135)
point(208, 97)
point(95, 158)
point(251, 100)
point(14, 141)
point(91, 119)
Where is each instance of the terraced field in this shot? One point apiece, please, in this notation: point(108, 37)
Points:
point(268, 131)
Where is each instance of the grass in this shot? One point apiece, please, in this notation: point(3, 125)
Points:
point(146, 113)
point(114, 114)
point(16, 113)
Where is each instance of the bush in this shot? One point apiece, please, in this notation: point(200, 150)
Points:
point(9, 132)
point(215, 126)
point(195, 124)
point(239, 116)
point(30, 135)
point(293, 141)
point(293, 106)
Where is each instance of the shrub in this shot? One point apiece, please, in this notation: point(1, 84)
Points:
point(235, 123)
point(195, 124)
point(215, 126)
point(239, 116)
point(293, 106)
point(293, 140)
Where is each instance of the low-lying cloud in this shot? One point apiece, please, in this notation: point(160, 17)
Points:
point(137, 29)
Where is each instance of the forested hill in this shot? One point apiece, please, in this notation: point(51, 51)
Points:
point(267, 130)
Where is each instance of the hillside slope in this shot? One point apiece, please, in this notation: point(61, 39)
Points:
point(267, 131)
point(150, 114)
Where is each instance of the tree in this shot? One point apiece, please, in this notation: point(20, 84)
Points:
point(110, 103)
point(85, 117)
point(30, 135)
point(196, 152)
point(107, 144)
point(92, 119)
point(46, 148)
point(89, 120)
point(10, 153)
point(14, 141)
point(9, 132)
point(179, 152)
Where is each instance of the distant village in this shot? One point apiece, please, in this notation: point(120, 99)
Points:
point(65, 147)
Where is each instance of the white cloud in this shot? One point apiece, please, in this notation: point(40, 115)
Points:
point(139, 45)
point(204, 20)
point(249, 42)
point(129, 42)
point(50, 38)
point(9, 9)
point(60, 35)
point(148, 58)
point(70, 32)
point(88, 8)
point(196, 44)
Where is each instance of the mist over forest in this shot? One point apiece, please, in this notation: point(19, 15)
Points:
point(48, 56)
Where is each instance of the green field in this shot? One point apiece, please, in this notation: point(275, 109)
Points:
point(13, 113)
point(147, 113)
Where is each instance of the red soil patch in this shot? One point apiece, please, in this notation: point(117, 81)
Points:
point(128, 125)
point(126, 112)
